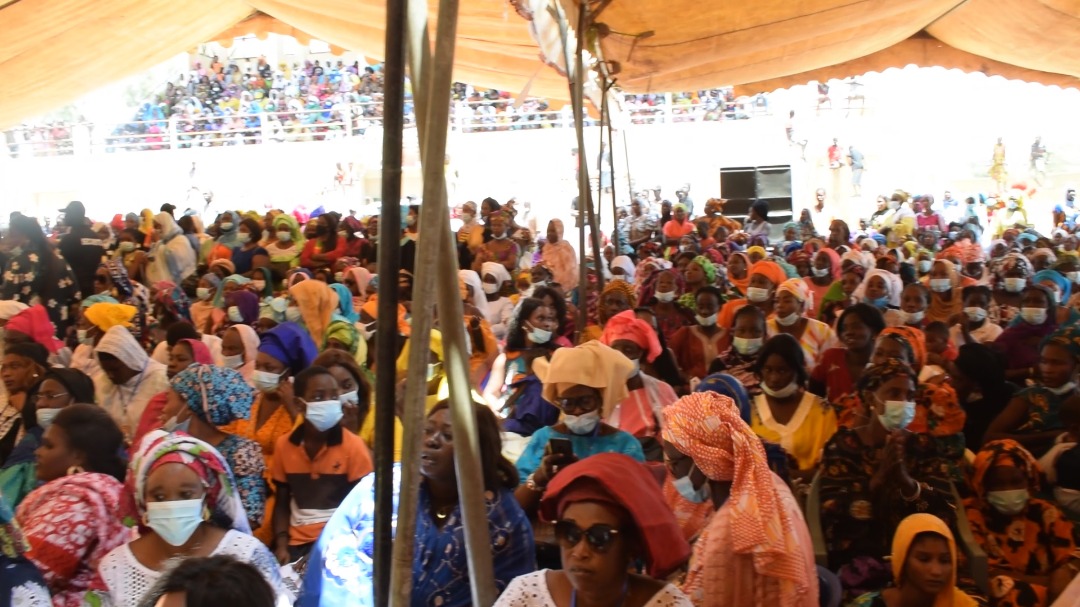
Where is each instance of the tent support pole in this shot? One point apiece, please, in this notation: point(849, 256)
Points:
point(579, 120)
point(435, 250)
point(389, 253)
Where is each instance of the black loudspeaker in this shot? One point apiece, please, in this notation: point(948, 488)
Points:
point(738, 182)
point(772, 182)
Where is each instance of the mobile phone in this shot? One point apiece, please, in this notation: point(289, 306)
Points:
point(562, 446)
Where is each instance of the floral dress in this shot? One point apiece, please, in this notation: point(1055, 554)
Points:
point(245, 457)
point(32, 277)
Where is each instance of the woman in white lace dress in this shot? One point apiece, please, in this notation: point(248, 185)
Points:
point(608, 513)
point(187, 506)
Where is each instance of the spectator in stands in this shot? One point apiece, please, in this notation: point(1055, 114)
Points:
point(326, 247)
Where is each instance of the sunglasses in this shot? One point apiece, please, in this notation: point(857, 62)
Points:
point(599, 536)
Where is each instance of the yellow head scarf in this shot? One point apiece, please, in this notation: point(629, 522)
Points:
point(106, 315)
point(906, 533)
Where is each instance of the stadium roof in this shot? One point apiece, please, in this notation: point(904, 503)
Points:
point(53, 51)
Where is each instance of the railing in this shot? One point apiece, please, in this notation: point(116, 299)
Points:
point(339, 122)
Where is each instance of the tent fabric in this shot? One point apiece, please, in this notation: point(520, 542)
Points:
point(53, 51)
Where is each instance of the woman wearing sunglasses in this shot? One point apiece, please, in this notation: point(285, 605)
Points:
point(609, 515)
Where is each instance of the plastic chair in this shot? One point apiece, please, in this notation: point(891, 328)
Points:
point(830, 593)
point(813, 520)
point(980, 569)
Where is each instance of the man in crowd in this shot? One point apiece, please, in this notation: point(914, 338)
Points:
point(81, 246)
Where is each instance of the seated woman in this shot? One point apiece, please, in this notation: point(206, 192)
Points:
point(661, 294)
point(187, 506)
point(786, 413)
point(974, 326)
point(756, 550)
point(203, 401)
point(608, 513)
point(500, 249)
point(874, 473)
point(239, 349)
point(340, 569)
point(249, 254)
point(880, 289)
point(1032, 417)
point(617, 296)
point(513, 390)
point(1028, 542)
point(793, 301)
point(73, 520)
point(696, 346)
point(56, 389)
point(748, 336)
point(1019, 342)
point(207, 317)
point(914, 300)
point(23, 366)
point(946, 301)
point(642, 412)
point(765, 276)
point(586, 383)
point(923, 566)
point(1012, 274)
point(840, 368)
point(841, 295)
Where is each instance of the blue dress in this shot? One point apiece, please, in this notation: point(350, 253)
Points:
point(584, 446)
point(340, 568)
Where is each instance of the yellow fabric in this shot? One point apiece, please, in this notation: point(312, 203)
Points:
point(107, 315)
point(367, 433)
point(906, 532)
point(317, 303)
point(591, 364)
point(764, 45)
point(804, 437)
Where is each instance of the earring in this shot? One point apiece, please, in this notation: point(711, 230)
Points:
point(75, 470)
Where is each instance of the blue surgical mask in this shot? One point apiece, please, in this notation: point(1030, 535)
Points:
point(539, 336)
point(582, 424)
point(880, 302)
point(172, 425)
point(45, 417)
point(686, 489)
point(293, 315)
point(233, 362)
point(898, 414)
point(175, 521)
point(266, 381)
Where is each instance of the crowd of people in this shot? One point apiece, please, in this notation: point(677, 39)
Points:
point(710, 417)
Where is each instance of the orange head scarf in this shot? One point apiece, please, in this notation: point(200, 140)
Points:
point(770, 270)
point(626, 325)
point(317, 303)
point(914, 339)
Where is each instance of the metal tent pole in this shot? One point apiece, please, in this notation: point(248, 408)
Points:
point(389, 263)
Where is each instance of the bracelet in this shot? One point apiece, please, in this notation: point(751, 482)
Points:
point(918, 492)
point(530, 484)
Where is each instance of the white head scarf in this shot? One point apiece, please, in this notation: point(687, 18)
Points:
point(10, 308)
point(478, 298)
point(893, 286)
point(168, 226)
point(495, 269)
point(250, 339)
point(119, 342)
point(622, 261)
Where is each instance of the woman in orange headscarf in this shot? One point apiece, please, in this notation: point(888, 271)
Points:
point(756, 550)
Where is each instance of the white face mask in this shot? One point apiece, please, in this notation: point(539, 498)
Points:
point(259, 285)
point(499, 236)
point(202, 293)
point(233, 362)
point(706, 321)
point(410, 220)
point(45, 417)
point(1068, 500)
point(686, 489)
point(940, 285)
point(489, 288)
point(175, 521)
point(1015, 285)
point(284, 236)
point(757, 294)
point(350, 398)
point(293, 314)
point(81, 335)
point(667, 297)
point(1009, 503)
point(1062, 389)
point(784, 392)
point(235, 315)
point(225, 227)
point(126, 247)
point(898, 414)
point(243, 237)
point(266, 381)
point(911, 318)
point(538, 336)
point(582, 424)
point(339, 277)
point(1034, 316)
point(975, 314)
point(323, 414)
point(466, 217)
point(820, 272)
point(789, 320)
point(925, 265)
point(1074, 277)
point(747, 346)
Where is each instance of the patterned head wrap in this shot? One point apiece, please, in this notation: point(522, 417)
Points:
point(119, 276)
point(626, 325)
point(1015, 260)
point(216, 395)
point(1067, 337)
point(707, 427)
point(159, 448)
point(798, 256)
point(343, 332)
point(173, 300)
point(800, 290)
point(998, 453)
point(726, 385)
point(913, 339)
point(875, 375)
point(707, 267)
point(623, 287)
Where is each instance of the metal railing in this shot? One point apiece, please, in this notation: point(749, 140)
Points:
point(342, 121)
